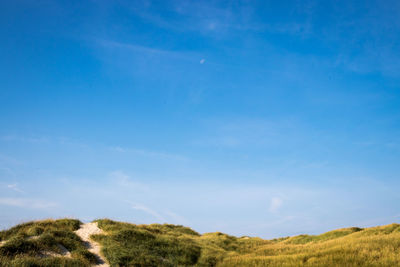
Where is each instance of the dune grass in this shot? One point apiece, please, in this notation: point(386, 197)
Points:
point(377, 246)
point(168, 245)
point(148, 245)
point(125, 244)
point(38, 243)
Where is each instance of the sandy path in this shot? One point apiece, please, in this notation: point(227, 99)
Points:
point(84, 233)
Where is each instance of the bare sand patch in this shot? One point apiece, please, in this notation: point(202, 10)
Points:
point(84, 233)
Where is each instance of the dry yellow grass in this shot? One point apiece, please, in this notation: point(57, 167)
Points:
point(125, 244)
point(377, 246)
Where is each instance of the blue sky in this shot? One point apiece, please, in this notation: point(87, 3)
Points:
point(260, 118)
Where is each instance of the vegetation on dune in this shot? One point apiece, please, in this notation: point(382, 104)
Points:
point(303, 239)
point(125, 244)
point(169, 245)
point(377, 246)
point(39, 243)
point(148, 245)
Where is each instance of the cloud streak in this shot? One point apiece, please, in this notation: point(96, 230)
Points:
point(275, 204)
point(14, 138)
point(27, 203)
point(149, 153)
point(141, 207)
point(15, 188)
point(147, 51)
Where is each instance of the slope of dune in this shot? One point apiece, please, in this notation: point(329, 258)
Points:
point(105, 242)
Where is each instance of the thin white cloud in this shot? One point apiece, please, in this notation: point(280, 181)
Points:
point(176, 218)
point(275, 204)
point(137, 48)
point(190, 16)
point(125, 180)
point(148, 153)
point(10, 138)
point(15, 188)
point(251, 132)
point(147, 210)
point(27, 203)
point(128, 51)
point(202, 61)
point(119, 176)
point(117, 149)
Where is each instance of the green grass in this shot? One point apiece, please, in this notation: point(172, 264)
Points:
point(148, 245)
point(168, 245)
point(125, 244)
point(27, 244)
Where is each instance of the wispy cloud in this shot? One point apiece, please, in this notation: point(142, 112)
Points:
point(120, 176)
point(137, 48)
point(147, 51)
point(27, 203)
point(123, 179)
point(16, 138)
point(148, 153)
point(249, 132)
point(275, 204)
point(118, 149)
point(215, 19)
point(188, 16)
point(137, 206)
point(176, 217)
point(15, 188)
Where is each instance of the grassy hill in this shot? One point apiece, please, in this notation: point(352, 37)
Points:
point(43, 243)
